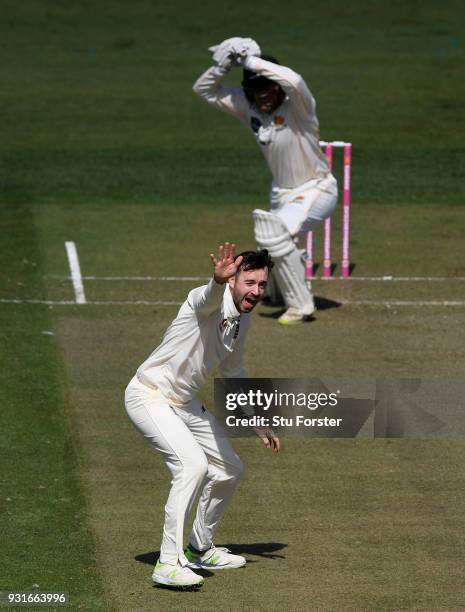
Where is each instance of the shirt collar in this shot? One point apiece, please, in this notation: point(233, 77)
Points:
point(230, 310)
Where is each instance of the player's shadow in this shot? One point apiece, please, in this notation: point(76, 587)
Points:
point(277, 313)
point(266, 550)
point(150, 557)
point(321, 303)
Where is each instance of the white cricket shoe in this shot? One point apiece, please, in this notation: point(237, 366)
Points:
point(175, 576)
point(292, 316)
point(214, 559)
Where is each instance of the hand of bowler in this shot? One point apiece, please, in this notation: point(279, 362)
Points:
point(225, 266)
point(268, 438)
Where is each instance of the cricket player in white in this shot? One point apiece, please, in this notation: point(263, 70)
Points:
point(276, 104)
point(208, 333)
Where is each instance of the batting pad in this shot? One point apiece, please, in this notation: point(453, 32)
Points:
point(272, 234)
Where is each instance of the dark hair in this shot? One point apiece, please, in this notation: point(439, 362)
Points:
point(255, 260)
point(251, 81)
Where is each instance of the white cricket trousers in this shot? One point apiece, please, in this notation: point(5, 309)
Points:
point(200, 458)
point(303, 208)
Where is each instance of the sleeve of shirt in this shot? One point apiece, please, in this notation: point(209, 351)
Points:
point(291, 82)
point(231, 100)
point(233, 365)
point(207, 298)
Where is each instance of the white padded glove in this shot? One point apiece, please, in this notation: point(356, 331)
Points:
point(233, 52)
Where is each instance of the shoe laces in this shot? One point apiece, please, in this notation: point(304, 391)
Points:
point(213, 549)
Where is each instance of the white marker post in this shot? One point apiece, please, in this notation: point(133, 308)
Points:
point(75, 270)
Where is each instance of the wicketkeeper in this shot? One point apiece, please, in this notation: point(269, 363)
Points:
point(208, 333)
point(277, 106)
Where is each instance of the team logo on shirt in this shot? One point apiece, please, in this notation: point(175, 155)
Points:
point(255, 124)
point(237, 326)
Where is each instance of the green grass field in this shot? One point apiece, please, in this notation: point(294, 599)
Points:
point(102, 142)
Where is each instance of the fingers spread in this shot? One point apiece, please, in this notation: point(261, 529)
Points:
point(226, 255)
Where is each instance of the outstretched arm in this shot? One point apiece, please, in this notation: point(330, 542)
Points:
point(209, 86)
point(207, 298)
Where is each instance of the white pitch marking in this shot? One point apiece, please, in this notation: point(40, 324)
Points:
point(403, 303)
point(147, 278)
point(75, 270)
point(92, 303)
point(427, 279)
point(387, 303)
point(136, 303)
point(442, 279)
point(30, 301)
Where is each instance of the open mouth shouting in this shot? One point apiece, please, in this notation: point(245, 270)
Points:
point(249, 302)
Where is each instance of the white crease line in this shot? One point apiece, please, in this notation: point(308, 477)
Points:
point(427, 279)
point(442, 279)
point(403, 303)
point(387, 303)
point(135, 303)
point(75, 270)
point(148, 278)
point(90, 303)
point(46, 302)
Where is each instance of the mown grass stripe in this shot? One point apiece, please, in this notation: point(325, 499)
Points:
point(46, 541)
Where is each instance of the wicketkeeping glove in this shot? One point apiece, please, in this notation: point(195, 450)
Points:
point(233, 52)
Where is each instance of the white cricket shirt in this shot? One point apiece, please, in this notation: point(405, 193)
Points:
point(208, 332)
point(289, 136)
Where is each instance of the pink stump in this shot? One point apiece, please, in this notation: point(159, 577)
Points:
point(345, 268)
point(309, 260)
point(327, 223)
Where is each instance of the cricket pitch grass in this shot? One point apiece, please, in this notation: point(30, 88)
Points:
point(104, 144)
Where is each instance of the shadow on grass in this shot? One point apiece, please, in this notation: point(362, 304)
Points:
point(320, 304)
point(267, 550)
point(325, 304)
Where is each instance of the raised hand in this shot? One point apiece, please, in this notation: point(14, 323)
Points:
point(234, 51)
point(224, 263)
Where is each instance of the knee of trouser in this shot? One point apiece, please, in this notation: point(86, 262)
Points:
point(322, 208)
point(231, 473)
point(196, 469)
